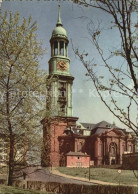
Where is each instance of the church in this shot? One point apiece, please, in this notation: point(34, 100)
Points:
point(103, 142)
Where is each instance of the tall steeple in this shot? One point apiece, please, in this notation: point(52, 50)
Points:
point(59, 100)
point(59, 68)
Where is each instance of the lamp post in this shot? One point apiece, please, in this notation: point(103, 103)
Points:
point(119, 171)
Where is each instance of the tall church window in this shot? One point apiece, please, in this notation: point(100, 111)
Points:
point(62, 89)
point(61, 48)
point(55, 48)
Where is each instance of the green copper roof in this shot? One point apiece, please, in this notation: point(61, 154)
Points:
point(59, 31)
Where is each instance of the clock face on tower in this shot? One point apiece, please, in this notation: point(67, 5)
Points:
point(61, 65)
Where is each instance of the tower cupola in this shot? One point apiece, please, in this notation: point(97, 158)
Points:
point(59, 40)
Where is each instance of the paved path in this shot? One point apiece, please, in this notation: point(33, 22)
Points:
point(55, 171)
point(45, 175)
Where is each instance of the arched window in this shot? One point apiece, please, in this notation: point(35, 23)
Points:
point(61, 48)
point(55, 48)
point(113, 148)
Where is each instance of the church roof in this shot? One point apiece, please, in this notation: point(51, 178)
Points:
point(103, 124)
point(76, 154)
point(102, 127)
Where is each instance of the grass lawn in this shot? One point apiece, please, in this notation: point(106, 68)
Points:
point(102, 174)
point(12, 190)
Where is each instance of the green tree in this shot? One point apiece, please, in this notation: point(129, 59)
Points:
point(22, 83)
point(122, 76)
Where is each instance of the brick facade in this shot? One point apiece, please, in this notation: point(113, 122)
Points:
point(55, 129)
point(77, 159)
point(104, 149)
point(104, 145)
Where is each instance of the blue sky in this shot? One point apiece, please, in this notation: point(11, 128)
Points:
point(85, 105)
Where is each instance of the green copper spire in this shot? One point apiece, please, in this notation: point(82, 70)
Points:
point(59, 23)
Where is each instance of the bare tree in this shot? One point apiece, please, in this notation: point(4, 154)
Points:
point(123, 80)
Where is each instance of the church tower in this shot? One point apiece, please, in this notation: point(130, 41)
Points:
point(59, 98)
point(59, 72)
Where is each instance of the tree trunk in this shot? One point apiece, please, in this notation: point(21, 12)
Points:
point(46, 149)
point(11, 160)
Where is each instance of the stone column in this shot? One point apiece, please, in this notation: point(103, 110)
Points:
point(52, 49)
point(64, 52)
